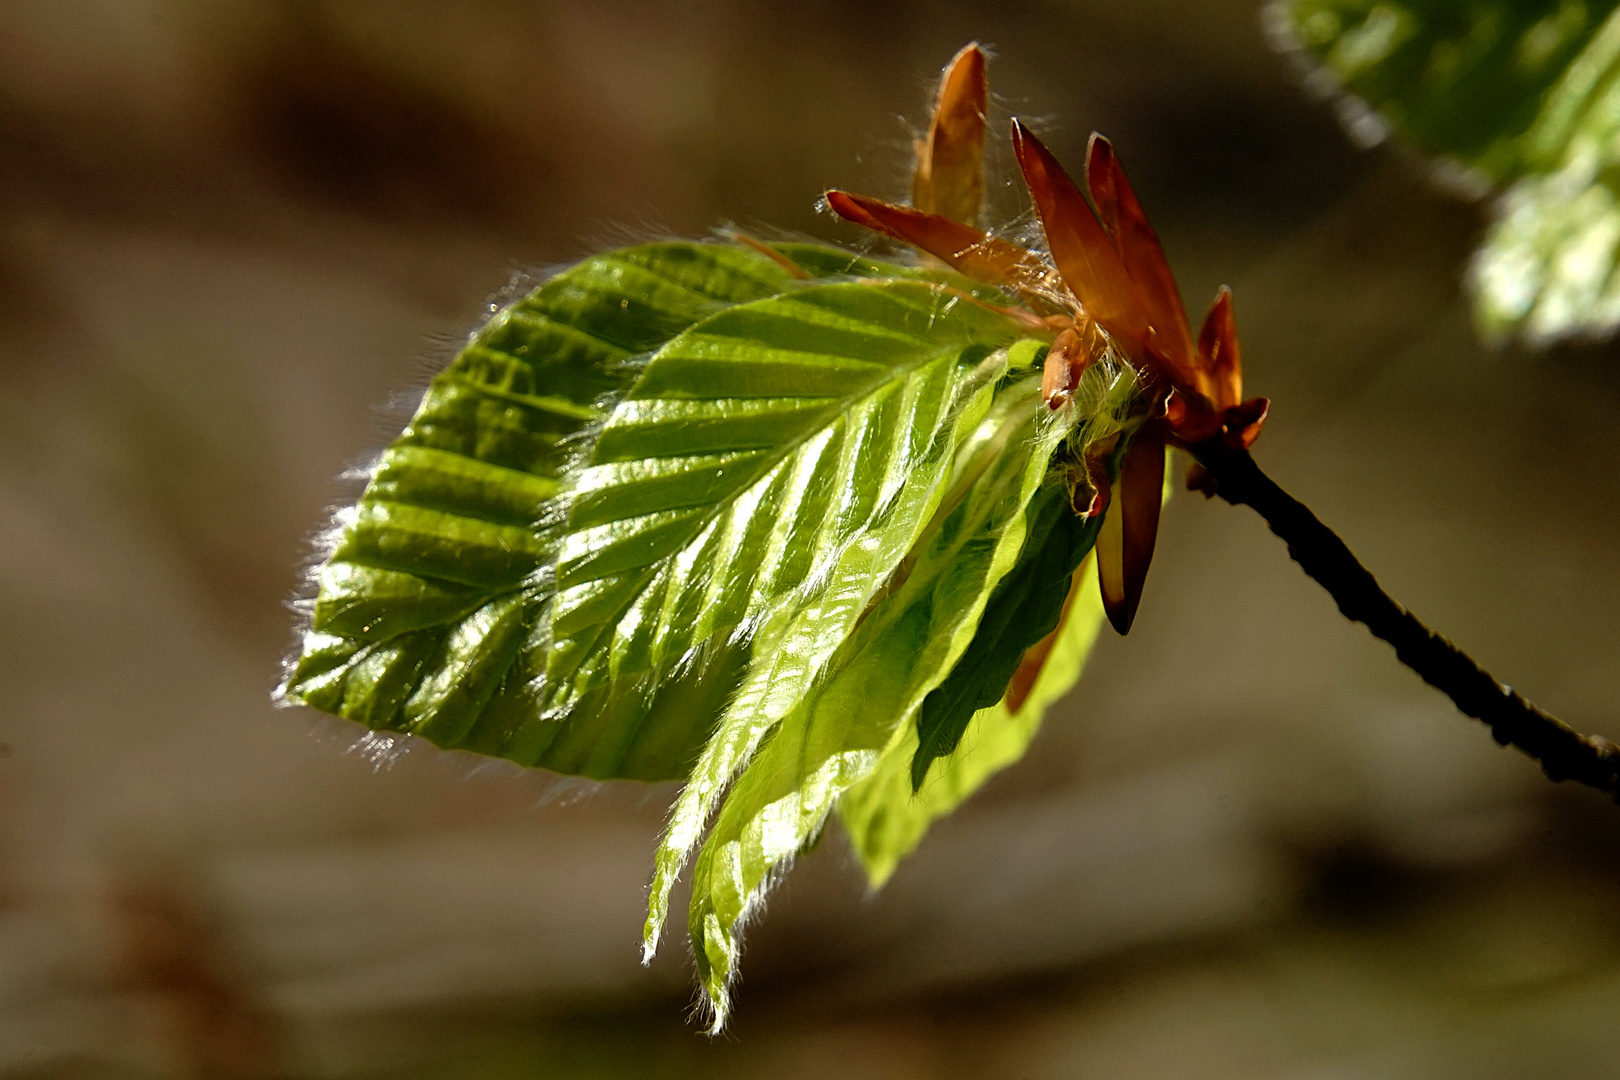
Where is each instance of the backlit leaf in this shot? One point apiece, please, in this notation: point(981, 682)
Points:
point(886, 820)
point(428, 611)
point(819, 431)
point(838, 728)
point(868, 697)
point(681, 513)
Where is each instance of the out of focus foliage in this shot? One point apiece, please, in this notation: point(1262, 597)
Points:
point(1521, 96)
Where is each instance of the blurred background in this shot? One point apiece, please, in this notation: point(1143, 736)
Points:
point(1250, 845)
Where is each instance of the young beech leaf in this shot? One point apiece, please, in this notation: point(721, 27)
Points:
point(873, 683)
point(886, 819)
point(1026, 606)
point(429, 606)
point(759, 485)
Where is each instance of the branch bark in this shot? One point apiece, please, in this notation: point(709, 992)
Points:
point(1563, 752)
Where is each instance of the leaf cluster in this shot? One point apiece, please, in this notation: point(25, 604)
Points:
point(786, 524)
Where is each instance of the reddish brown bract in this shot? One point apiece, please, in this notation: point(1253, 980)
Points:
point(949, 178)
point(1107, 282)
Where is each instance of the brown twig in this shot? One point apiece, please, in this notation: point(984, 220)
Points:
point(1564, 753)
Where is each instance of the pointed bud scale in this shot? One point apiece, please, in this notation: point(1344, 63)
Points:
point(1131, 526)
point(1222, 359)
point(1084, 254)
point(1139, 249)
point(949, 178)
point(963, 248)
point(1100, 184)
point(1110, 552)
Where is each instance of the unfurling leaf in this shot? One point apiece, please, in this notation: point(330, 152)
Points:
point(1002, 536)
point(871, 686)
point(584, 557)
point(886, 820)
point(886, 382)
point(796, 527)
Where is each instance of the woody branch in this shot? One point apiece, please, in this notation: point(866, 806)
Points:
point(1563, 752)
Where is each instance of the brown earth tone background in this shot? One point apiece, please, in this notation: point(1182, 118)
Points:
point(1249, 846)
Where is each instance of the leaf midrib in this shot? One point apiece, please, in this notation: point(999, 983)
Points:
point(772, 459)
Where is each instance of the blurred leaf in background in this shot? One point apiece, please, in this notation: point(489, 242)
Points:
point(1520, 96)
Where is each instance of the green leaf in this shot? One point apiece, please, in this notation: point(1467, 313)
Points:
point(867, 698)
point(681, 513)
point(872, 685)
point(1518, 92)
point(1026, 606)
point(886, 820)
point(759, 485)
point(1548, 267)
point(428, 617)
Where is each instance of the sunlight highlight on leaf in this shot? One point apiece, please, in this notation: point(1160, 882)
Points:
point(875, 386)
point(429, 608)
point(872, 687)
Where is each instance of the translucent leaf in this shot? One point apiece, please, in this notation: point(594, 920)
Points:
point(1518, 92)
point(682, 513)
point(428, 611)
point(838, 727)
point(886, 820)
point(867, 698)
point(1026, 606)
point(760, 485)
